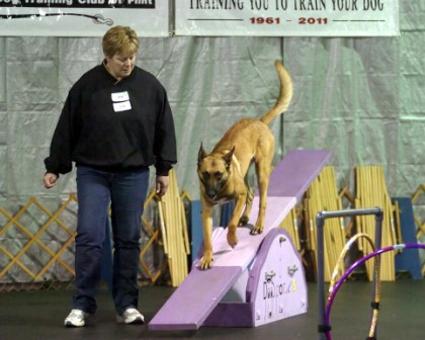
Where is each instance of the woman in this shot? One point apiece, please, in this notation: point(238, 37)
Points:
point(115, 123)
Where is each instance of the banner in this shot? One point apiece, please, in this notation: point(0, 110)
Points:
point(82, 17)
point(287, 17)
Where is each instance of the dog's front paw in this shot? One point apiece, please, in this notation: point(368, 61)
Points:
point(232, 239)
point(256, 230)
point(206, 261)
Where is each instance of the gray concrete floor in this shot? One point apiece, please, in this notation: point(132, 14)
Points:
point(40, 314)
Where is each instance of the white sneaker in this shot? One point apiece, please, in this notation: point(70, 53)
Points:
point(76, 318)
point(131, 316)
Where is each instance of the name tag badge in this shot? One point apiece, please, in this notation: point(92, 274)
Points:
point(120, 96)
point(122, 106)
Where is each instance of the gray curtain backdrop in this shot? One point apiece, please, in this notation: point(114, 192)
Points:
point(361, 98)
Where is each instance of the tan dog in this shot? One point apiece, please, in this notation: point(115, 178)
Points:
point(222, 173)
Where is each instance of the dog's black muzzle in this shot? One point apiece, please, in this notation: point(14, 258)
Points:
point(212, 190)
point(211, 193)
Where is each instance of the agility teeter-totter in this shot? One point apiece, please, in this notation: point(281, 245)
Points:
point(262, 279)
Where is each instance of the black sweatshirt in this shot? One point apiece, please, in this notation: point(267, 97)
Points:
point(114, 126)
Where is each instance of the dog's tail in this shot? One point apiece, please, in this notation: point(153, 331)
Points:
point(285, 94)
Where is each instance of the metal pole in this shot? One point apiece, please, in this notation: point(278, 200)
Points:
point(320, 274)
point(324, 328)
point(376, 268)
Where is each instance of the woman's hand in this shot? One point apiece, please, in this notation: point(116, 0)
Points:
point(49, 180)
point(161, 185)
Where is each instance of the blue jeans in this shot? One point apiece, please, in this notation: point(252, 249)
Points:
point(126, 191)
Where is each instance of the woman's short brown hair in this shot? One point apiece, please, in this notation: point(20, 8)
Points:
point(120, 39)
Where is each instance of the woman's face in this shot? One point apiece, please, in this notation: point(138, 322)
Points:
point(120, 65)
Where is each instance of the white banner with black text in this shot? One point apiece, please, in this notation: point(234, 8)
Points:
point(149, 18)
point(287, 17)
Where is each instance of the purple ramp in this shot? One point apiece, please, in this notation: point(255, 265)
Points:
point(276, 287)
point(195, 299)
point(294, 174)
point(244, 252)
point(201, 292)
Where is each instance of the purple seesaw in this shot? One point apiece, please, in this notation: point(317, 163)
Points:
point(262, 279)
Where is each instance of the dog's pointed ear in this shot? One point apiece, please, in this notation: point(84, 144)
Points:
point(228, 157)
point(201, 154)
